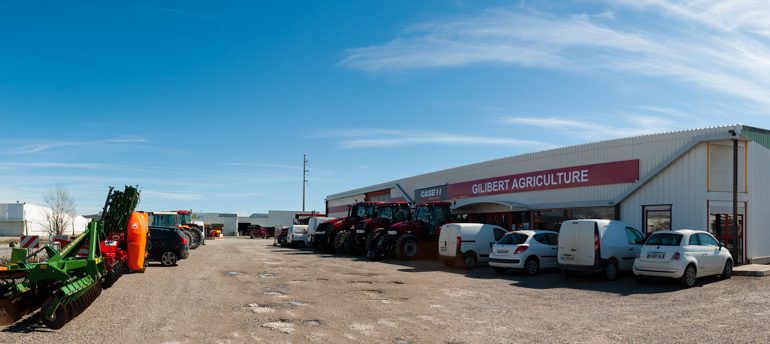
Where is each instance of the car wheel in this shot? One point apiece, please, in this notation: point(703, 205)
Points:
point(531, 266)
point(641, 279)
point(470, 260)
point(500, 271)
point(610, 271)
point(688, 277)
point(406, 247)
point(168, 258)
point(727, 271)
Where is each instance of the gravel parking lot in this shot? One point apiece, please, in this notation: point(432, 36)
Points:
point(247, 291)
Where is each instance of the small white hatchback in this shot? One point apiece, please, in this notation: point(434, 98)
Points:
point(527, 250)
point(684, 254)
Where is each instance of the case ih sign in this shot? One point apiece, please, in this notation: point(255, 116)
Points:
point(588, 175)
point(431, 194)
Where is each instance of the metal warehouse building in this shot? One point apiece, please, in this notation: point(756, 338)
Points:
point(661, 181)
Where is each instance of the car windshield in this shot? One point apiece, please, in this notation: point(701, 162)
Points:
point(513, 239)
point(664, 239)
point(402, 214)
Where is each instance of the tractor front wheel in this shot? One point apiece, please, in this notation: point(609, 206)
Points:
point(407, 247)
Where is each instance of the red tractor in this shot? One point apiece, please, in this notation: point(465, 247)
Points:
point(408, 238)
point(326, 233)
point(353, 241)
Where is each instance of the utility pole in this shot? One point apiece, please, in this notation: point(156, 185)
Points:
point(304, 179)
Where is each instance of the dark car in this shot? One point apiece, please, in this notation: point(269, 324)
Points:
point(167, 245)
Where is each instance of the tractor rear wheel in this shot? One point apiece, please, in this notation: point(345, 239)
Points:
point(196, 238)
point(407, 247)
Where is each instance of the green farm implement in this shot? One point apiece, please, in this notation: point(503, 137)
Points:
point(69, 280)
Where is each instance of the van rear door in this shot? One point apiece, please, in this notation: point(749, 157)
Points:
point(568, 242)
point(586, 252)
point(576, 243)
point(447, 241)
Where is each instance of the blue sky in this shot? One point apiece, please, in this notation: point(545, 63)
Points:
point(210, 105)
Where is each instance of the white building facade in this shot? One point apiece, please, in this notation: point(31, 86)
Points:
point(662, 181)
point(28, 219)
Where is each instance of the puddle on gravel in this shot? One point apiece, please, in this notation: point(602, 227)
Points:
point(361, 282)
point(233, 273)
point(280, 326)
point(256, 308)
point(266, 275)
point(274, 293)
point(297, 303)
point(397, 282)
point(314, 323)
point(372, 292)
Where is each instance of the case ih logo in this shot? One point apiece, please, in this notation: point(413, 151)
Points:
point(588, 175)
point(433, 193)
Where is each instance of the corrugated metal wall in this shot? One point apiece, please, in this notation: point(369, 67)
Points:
point(758, 219)
point(682, 184)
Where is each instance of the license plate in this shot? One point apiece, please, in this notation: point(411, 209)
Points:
point(502, 251)
point(443, 249)
point(360, 231)
point(392, 232)
point(568, 258)
point(656, 255)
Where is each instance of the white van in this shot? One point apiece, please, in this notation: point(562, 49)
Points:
point(297, 236)
point(468, 243)
point(605, 246)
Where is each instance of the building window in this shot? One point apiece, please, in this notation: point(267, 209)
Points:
point(550, 219)
point(604, 213)
point(657, 218)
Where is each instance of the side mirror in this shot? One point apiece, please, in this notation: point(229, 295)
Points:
point(721, 244)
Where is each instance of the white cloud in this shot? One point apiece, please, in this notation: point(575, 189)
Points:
point(15, 165)
point(592, 129)
point(368, 138)
point(39, 147)
point(713, 45)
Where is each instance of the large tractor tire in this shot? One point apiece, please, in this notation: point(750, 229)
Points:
point(350, 244)
point(196, 238)
point(407, 247)
point(373, 245)
point(339, 241)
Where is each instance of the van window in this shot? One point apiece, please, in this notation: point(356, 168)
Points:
point(664, 239)
point(633, 236)
point(694, 240)
point(513, 239)
point(499, 233)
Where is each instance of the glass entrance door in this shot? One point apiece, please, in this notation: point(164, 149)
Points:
point(721, 226)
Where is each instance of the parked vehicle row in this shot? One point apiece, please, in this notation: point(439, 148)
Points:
point(606, 247)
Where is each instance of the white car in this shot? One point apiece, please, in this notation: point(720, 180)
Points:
point(684, 254)
point(527, 250)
